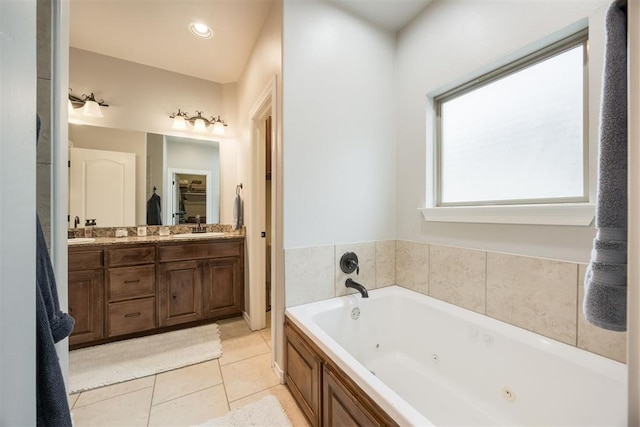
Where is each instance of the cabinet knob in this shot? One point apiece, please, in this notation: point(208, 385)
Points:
point(174, 295)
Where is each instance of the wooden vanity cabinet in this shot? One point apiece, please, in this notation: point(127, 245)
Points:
point(180, 292)
point(125, 290)
point(223, 293)
point(85, 288)
point(200, 280)
point(130, 289)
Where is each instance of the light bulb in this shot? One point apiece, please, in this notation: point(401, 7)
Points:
point(218, 128)
point(92, 109)
point(179, 123)
point(199, 125)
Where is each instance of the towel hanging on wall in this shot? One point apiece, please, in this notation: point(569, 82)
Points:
point(237, 209)
point(605, 301)
point(52, 326)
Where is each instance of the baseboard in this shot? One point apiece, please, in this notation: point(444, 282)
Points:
point(279, 372)
point(247, 318)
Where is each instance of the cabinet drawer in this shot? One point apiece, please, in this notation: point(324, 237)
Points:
point(131, 282)
point(85, 260)
point(131, 316)
point(130, 256)
point(200, 250)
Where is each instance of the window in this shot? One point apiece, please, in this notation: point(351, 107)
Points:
point(516, 135)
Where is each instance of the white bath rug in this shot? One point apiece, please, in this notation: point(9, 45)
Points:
point(120, 361)
point(266, 412)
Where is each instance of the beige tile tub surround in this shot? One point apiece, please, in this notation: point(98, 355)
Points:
point(309, 274)
point(541, 295)
point(533, 293)
point(366, 253)
point(412, 265)
point(458, 276)
point(385, 263)
point(606, 343)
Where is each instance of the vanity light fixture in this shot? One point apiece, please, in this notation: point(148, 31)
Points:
point(200, 30)
point(199, 122)
point(89, 104)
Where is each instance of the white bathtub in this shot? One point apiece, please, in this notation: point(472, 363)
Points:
point(426, 362)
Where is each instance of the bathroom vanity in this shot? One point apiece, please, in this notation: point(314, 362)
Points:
point(123, 288)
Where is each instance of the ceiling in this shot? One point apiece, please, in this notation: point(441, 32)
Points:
point(156, 32)
point(389, 14)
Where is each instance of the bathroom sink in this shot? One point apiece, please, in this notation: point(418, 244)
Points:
point(197, 235)
point(81, 240)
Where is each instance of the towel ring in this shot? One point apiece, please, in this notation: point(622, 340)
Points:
point(238, 188)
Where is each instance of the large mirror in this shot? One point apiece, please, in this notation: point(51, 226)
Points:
point(126, 178)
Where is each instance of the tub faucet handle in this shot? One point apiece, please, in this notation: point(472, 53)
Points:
point(349, 263)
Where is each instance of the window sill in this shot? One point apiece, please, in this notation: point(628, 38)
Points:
point(578, 214)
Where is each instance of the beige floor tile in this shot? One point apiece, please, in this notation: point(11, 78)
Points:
point(72, 399)
point(195, 408)
point(234, 327)
point(243, 347)
point(286, 400)
point(248, 376)
point(266, 334)
point(103, 393)
point(131, 409)
point(183, 381)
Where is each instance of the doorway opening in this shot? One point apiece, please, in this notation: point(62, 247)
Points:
point(190, 196)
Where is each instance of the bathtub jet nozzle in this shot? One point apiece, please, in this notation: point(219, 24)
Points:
point(350, 283)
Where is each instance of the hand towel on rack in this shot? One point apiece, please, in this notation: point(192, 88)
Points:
point(237, 212)
point(605, 301)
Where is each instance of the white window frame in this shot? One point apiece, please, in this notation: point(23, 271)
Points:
point(571, 211)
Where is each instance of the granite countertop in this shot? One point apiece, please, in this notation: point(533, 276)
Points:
point(184, 237)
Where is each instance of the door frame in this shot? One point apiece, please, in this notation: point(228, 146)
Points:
point(265, 105)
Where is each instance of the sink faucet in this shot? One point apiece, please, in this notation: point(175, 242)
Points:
point(199, 228)
point(350, 283)
point(76, 221)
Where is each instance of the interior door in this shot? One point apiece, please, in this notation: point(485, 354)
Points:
point(102, 186)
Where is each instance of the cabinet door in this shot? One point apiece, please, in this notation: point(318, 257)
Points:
point(340, 407)
point(223, 292)
point(303, 374)
point(180, 292)
point(86, 305)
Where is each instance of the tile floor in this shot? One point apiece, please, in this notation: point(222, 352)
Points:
point(193, 394)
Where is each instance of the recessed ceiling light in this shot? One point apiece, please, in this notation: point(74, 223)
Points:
point(200, 30)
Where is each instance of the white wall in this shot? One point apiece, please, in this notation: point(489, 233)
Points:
point(100, 138)
point(141, 98)
point(17, 212)
point(338, 121)
point(454, 38)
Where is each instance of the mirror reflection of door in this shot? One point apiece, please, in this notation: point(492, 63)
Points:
point(190, 200)
point(102, 187)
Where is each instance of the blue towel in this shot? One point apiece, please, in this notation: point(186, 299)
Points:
point(237, 213)
point(605, 301)
point(52, 326)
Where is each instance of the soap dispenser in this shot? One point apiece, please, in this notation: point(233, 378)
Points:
point(88, 227)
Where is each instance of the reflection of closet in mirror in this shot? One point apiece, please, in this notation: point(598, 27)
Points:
point(192, 198)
